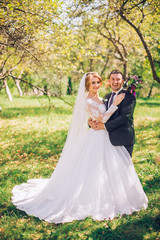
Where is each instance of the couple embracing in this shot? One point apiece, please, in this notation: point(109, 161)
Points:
point(95, 175)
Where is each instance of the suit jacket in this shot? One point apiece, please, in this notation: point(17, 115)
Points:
point(120, 124)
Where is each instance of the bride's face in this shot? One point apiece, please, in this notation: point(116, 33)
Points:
point(94, 85)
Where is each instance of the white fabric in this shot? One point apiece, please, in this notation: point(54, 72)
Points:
point(97, 179)
point(78, 127)
point(93, 109)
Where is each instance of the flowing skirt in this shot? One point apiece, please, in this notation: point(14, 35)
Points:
point(100, 182)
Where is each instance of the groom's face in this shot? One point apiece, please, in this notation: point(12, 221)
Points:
point(116, 81)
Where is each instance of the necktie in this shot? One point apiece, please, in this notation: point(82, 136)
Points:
point(111, 99)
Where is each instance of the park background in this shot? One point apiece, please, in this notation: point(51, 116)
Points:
point(45, 48)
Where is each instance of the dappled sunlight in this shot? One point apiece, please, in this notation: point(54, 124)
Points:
point(46, 46)
point(31, 145)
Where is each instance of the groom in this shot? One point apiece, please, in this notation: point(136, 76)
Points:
point(120, 124)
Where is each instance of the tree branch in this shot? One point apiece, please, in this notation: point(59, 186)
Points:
point(10, 70)
point(105, 65)
point(18, 43)
point(3, 64)
point(155, 76)
point(136, 5)
point(113, 42)
point(40, 89)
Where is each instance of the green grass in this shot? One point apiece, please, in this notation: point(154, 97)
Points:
point(31, 140)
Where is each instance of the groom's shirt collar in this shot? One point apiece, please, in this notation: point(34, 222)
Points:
point(118, 90)
point(115, 95)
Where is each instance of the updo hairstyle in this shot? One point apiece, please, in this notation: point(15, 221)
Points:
point(89, 77)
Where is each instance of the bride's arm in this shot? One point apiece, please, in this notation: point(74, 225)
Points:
point(94, 111)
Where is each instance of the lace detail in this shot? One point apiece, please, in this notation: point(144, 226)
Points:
point(94, 109)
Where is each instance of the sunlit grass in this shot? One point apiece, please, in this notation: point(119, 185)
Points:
point(31, 140)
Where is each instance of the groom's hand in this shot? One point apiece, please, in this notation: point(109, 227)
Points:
point(95, 124)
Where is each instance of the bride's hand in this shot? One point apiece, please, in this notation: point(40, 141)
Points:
point(118, 99)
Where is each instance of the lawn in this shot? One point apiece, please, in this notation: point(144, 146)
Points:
point(32, 135)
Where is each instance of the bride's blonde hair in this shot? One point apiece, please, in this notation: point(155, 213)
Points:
point(89, 76)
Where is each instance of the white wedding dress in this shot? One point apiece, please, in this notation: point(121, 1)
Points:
point(94, 178)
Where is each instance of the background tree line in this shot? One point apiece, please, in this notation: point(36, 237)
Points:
point(46, 45)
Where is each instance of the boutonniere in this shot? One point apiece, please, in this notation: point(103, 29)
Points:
point(105, 100)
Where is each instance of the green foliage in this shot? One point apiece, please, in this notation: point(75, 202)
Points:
point(32, 138)
point(23, 35)
point(50, 40)
point(69, 87)
point(129, 26)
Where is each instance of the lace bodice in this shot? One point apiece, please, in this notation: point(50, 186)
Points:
point(97, 111)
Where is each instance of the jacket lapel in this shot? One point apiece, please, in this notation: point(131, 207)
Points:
point(106, 99)
point(122, 91)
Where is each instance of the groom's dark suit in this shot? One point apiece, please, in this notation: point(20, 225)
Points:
point(120, 125)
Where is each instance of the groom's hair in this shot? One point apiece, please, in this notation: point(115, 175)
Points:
point(116, 72)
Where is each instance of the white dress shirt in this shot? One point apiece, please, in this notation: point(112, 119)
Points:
point(115, 95)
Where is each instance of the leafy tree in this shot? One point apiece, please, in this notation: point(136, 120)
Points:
point(22, 25)
point(137, 14)
point(69, 87)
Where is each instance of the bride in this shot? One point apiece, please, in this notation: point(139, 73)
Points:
point(93, 177)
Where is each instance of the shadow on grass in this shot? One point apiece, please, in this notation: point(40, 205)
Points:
point(44, 146)
point(141, 127)
point(129, 227)
point(146, 128)
point(9, 113)
point(150, 104)
point(134, 229)
point(152, 185)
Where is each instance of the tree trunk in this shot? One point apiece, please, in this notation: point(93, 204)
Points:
point(35, 90)
point(91, 65)
point(17, 82)
point(8, 91)
point(154, 74)
point(150, 91)
point(105, 65)
point(26, 90)
point(125, 70)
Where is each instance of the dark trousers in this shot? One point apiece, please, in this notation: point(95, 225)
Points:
point(129, 149)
